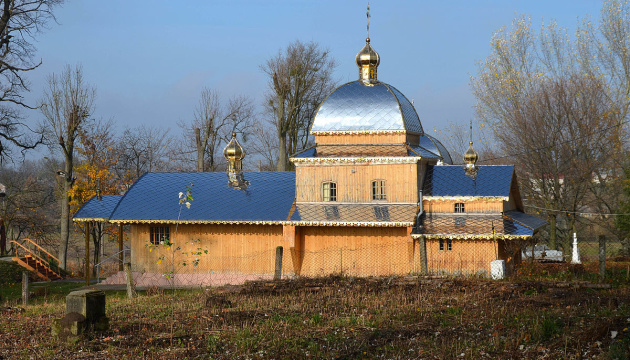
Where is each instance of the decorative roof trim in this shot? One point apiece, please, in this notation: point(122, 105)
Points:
point(359, 132)
point(471, 236)
point(89, 219)
point(198, 222)
point(352, 223)
point(465, 198)
point(358, 160)
point(296, 223)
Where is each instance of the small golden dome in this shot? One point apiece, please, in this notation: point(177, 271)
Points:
point(368, 56)
point(234, 150)
point(470, 156)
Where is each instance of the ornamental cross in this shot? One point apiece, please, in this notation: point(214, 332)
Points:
point(368, 20)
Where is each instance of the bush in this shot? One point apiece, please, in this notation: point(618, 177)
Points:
point(11, 273)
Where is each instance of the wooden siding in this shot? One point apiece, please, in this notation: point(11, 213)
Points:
point(354, 182)
point(466, 256)
point(240, 249)
point(337, 139)
point(448, 206)
point(354, 251)
point(314, 251)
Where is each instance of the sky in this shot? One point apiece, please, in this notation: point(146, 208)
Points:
point(150, 60)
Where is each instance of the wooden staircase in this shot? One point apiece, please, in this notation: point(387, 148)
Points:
point(36, 259)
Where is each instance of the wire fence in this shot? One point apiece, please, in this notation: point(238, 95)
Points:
point(441, 257)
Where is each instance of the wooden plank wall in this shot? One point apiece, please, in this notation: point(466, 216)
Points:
point(348, 139)
point(354, 182)
point(230, 249)
point(448, 206)
point(466, 256)
point(354, 251)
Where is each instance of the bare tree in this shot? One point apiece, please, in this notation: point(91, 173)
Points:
point(213, 123)
point(300, 79)
point(20, 21)
point(555, 115)
point(265, 145)
point(67, 106)
point(140, 150)
point(27, 208)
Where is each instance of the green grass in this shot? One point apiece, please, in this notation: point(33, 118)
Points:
point(40, 292)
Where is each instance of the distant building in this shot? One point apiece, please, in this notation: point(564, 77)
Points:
point(376, 195)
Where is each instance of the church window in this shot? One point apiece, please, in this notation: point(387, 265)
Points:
point(159, 235)
point(446, 245)
point(378, 190)
point(459, 207)
point(329, 191)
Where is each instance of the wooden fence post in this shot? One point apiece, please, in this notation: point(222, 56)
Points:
point(424, 264)
point(602, 256)
point(87, 253)
point(131, 291)
point(120, 247)
point(24, 288)
point(278, 273)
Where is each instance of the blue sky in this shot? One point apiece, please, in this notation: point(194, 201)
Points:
point(149, 60)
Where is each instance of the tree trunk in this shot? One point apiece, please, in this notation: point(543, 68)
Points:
point(552, 233)
point(282, 152)
point(96, 240)
point(65, 214)
point(199, 150)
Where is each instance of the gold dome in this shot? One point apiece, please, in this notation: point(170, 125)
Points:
point(367, 60)
point(470, 156)
point(367, 55)
point(233, 150)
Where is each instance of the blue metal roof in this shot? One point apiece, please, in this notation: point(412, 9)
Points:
point(310, 152)
point(155, 197)
point(451, 180)
point(531, 221)
point(97, 209)
point(356, 106)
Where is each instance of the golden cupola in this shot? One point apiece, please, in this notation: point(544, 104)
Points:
point(368, 61)
point(470, 158)
point(234, 154)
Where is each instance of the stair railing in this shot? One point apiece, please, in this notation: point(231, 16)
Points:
point(98, 266)
point(39, 253)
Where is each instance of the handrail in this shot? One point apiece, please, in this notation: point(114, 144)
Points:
point(123, 250)
point(38, 247)
point(36, 255)
point(98, 266)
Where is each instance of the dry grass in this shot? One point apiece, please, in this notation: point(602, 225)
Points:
point(344, 318)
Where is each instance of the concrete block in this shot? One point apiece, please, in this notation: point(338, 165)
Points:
point(497, 269)
point(89, 303)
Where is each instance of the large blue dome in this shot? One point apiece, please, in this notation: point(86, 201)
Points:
point(360, 107)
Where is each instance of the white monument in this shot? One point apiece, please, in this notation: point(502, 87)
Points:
point(576, 252)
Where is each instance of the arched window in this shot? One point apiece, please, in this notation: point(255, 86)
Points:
point(329, 191)
point(378, 190)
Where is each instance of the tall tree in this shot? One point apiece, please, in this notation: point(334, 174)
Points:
point(97, 157)
point(300, 77)
point(67, 106)
point(554, 113)
point(213, 123)
point(20, 21)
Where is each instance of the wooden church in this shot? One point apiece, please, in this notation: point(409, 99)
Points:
point(376, 195)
